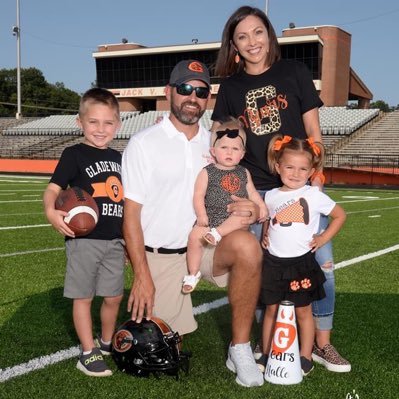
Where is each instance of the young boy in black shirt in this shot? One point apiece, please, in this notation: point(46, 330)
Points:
point(95, 262)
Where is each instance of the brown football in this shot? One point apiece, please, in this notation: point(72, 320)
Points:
point(82, 209)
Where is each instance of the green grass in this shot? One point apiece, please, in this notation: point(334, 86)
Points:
point(35, 319)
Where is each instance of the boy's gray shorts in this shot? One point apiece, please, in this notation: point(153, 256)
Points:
point(94, 268)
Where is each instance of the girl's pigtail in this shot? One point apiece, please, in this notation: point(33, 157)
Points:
point(274, 151)
point(317, 150)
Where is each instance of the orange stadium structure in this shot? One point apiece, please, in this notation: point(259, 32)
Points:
point(137, 74)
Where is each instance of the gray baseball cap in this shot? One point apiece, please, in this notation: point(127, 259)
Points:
point(189, 70)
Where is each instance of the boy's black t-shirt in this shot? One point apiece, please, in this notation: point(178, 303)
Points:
point(98, 172)
point(269, 103)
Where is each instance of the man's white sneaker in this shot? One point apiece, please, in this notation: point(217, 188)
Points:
point(240, 360)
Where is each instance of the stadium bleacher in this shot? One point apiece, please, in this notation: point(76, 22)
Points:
point(47, 137)
point(51, 125)
point(55, 125)
point(140, 121)
point(344, 121)
point(9, 122)
point(380, 138)
point(137, 122)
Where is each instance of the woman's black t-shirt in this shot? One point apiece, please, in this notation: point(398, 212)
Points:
point(269, 103)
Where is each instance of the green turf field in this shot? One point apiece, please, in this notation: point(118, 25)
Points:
point(36, 326)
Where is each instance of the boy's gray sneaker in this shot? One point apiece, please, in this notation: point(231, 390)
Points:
point(93, 364)
point(105, 349)
point(240, 360)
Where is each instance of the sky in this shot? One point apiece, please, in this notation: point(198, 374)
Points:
point(59, 36)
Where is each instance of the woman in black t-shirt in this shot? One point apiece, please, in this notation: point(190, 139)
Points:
point(270, 95)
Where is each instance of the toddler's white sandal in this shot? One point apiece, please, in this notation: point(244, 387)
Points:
point(212, 237)
point(190, 281)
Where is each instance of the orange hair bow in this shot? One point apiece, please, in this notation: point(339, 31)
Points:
point(316, 150)
point(279, 143)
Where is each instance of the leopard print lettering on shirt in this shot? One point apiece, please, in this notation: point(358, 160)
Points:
point(255, 114)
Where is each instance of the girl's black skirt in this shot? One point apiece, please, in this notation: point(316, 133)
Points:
point(299, 280)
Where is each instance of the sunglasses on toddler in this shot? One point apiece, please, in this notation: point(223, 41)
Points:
point(185, 89)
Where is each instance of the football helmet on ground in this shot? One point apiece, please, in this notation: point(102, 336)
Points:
point(148, 347)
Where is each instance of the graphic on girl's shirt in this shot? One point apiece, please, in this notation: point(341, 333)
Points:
point(298, 212)
point(230, 183)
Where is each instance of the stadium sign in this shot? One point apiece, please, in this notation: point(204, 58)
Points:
point(148, 91)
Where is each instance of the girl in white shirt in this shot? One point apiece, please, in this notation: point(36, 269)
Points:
point(290, 271)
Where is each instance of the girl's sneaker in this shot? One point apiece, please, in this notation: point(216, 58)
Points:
point(258, 351)
point(261, 362)
point(306, 365)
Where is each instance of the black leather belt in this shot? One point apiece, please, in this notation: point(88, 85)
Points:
point(166, 250)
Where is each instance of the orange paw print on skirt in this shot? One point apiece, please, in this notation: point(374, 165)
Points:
point(294, 285)
point(305, 283)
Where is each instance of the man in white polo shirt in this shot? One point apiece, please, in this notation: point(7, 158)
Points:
point(159, 168)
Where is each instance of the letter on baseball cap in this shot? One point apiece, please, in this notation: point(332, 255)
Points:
point(189, 70)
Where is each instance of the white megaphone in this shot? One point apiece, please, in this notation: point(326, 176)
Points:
point(284, 363)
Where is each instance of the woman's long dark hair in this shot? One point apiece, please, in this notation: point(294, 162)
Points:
point(225, 64)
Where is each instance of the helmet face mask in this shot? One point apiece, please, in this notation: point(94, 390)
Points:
point(148, 347)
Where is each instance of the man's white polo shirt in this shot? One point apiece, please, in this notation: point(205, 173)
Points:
point(159, 168)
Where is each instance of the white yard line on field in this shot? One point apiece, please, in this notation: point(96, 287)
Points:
point(16, 190)
point(372, 210)
point(34, 251)
point(24, 227)
point(44, 361)
point(371, 255)
point(367, 200)
point(13, 201)
point(359, 197)
point(38, 363)
point(20, 214)
point(22, 179)
point(8, 183)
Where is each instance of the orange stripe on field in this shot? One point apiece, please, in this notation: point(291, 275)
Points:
point(28, 165)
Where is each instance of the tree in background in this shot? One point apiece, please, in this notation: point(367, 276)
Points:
point(381, 105)
point(38, 97)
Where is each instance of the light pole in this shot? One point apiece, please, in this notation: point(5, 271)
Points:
point(267, 8)
point(16, 31)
